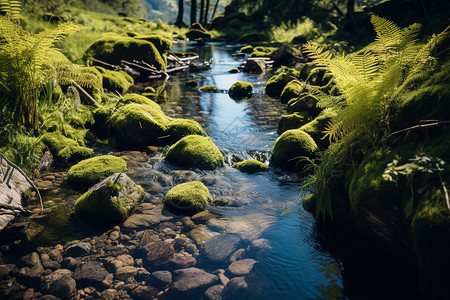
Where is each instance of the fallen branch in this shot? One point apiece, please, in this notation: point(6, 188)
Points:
point(91, 101)
point(434, 124)
point(107, 65)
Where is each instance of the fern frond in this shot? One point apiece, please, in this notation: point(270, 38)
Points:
point(11, 8)
point(320, 56)
point(388, 33)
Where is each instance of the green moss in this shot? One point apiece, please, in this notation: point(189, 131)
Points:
point(292, 121)
point(180, 128)
point(188, 198)
point(96, 93)
point(198, 32)
point(137, 99)
point(293, 89)
point(251, 166)
point(304, 102)
point(316, 127)
point(291, 146)
point(277, 83)
point(114, 48)
point(139, 123)
point(247, 49)
point(309, 203)
point(195, 151)
point(115, 81)
point(209, 89)
point(149, 89)
point(65, 148)
point(240, 90)
point(93, 170)
point(234, 70)
point(259, 54)
point(162, 44)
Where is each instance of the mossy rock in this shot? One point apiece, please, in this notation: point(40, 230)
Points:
point(195, 151)
point(247, 49)
point(114, 48)
point(233, 71)
point(65, 148)
point(101, 117)
point(188, 198)
point(209, 89)
point(293, 89)
point(309, 203)
point(161, 43)
point(259, 54)
point(316, 127)
point(93, 170)
point(240, 90)
point(251, 166)
point(115, 81)
point(96, 93)
point(139, 123)
point(275, 85)
point(305, 102)
point(180, 128)
point(198, 32)
point(290, 147)
point(292, 121)
point(111, 199)
point(137, 99)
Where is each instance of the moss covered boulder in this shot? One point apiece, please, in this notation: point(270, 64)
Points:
point(111, 199)
point(139, 123)
point(161, 43)
point(115, 81)
point(290, 147)
point(247, 49)
point(292, 90)
point(179, 128)
point(251, 166)
point(275, 85)
point(292, 121)
point(65, 148)
point(137, 99)
point(91, 171)
point(198, 33)
point(195, 151)
point(316, 127)
point(304, 102)
point(209, 89)
point(113, 48)
point(240, 90)
point(188, 198)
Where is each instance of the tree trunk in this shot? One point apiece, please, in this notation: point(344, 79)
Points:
point(215, 8)
point(193, 11)
point(350, 12)
point(205, 21)
point(179, 21)
point(202, 8)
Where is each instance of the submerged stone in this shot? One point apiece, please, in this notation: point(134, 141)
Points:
point(219, 248)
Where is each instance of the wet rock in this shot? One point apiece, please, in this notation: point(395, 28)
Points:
point(190, 248)
point(183, 261)
point(285, 55)
point(49, 297)
point(148, 218)
point(79, 249)
point(201, 234)
point(180, 176)
point(59, 283)
point(258, 247)
point(142, 274)
point(114, 236)
point(238, 255)
point(255, 65)
point(241, 267)
point(31, 274)
point(5, 270)
point(187, 222)
point(202, 217)
point(30, 260)
point(214, 292)
point(110, 294)
point(192, 280)
point(126, 259)
point(144, 292)
point(126, 272)
point(50, 264)
point(28, 295)
point(237, 288)
point(161, 279)
point(220, 247)
point(69, 263)
point(112, 265)
point(217, 224)
point(159, 253)
point(90, 273)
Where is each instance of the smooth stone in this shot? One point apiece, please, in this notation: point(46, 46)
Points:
point(182, 261)
point(203, 216)
point(144, 292)
point(50, 264)
point(191, 280)
point(110, 294)
point(159, 253)
point(258, 247)
point(214, 292)
point(112, 265)
point(150, 218)
point(237, 288)
point(126, 259)
point(201, 234)
point(91, 273)
point(162, 278)
point(69, 263)
point(238, 255)
point(241, 267)
point(217, 224)
point(32, 274)
point(220, 247)
point(5, 270)
point(114, 236)
point(79, 249)
point(30, 260)
point(126, 272)
point(59, 283)
point(142, 274)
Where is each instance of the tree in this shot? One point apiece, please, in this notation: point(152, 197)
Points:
point(179, 21)
point(202, 7)
point(193, 11)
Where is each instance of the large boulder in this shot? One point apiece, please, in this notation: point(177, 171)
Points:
point(161, 43)
point(91, 171)
point(64, 148)
point(180, 128)
point(136, 99)
point(240, 90)
point(316, 127)
point(115, 81)
point(291, 147)
point(188, 198)
point(275, 85)
point(195, 151)
point(139, 123)
point(114, 48)
point(292, 90)
point(198, 33)
point(251, 166)
point(111, 199)
point(292, 121)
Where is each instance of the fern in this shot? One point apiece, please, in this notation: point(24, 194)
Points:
point(11, 9)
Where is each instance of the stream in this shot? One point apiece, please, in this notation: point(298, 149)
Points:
point(300, 263)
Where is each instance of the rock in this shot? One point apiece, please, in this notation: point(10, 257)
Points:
point(195, 151)
point(79, 249)
point(90, 273)
point(137, 99)
point(292, 145)
point(316, 127)
point(192, 280)
point(238, 255)
point(114, 236)
point(144, 292)
point(159, 253)
point(49, 297)
point(292, 121)
point(188, 198)
point(251, 166)
point(50, 264)
point(285, 56)
point(161, 43)
point(146, 219)
point(59, 283)
point(209, 89)
point(64, 148)
point(110, 294)
point(220, 247)
point(179, 128)
point(201, 234)
point(93, 170)
point(258, 247)
point(112, 265)
point(214, 292)
point(69, 263)
point(5, 270)
point(277, 83)
point(142, 274)
point(161, 279)
point(241, 267)
point(309, 203)
point(217, 224)
point(31, 274)
point(126, 272)
point(240, 90)
point(30, 260)
point(111, 199)
point(181, 176)
point(203, 217)
point(292, 90)
point(182, 261)
point(198, 33)
point(247, 49)
point(126, 259)
point(255, 65)
point(304, 103)
point(237, 288)
point(139, 123)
